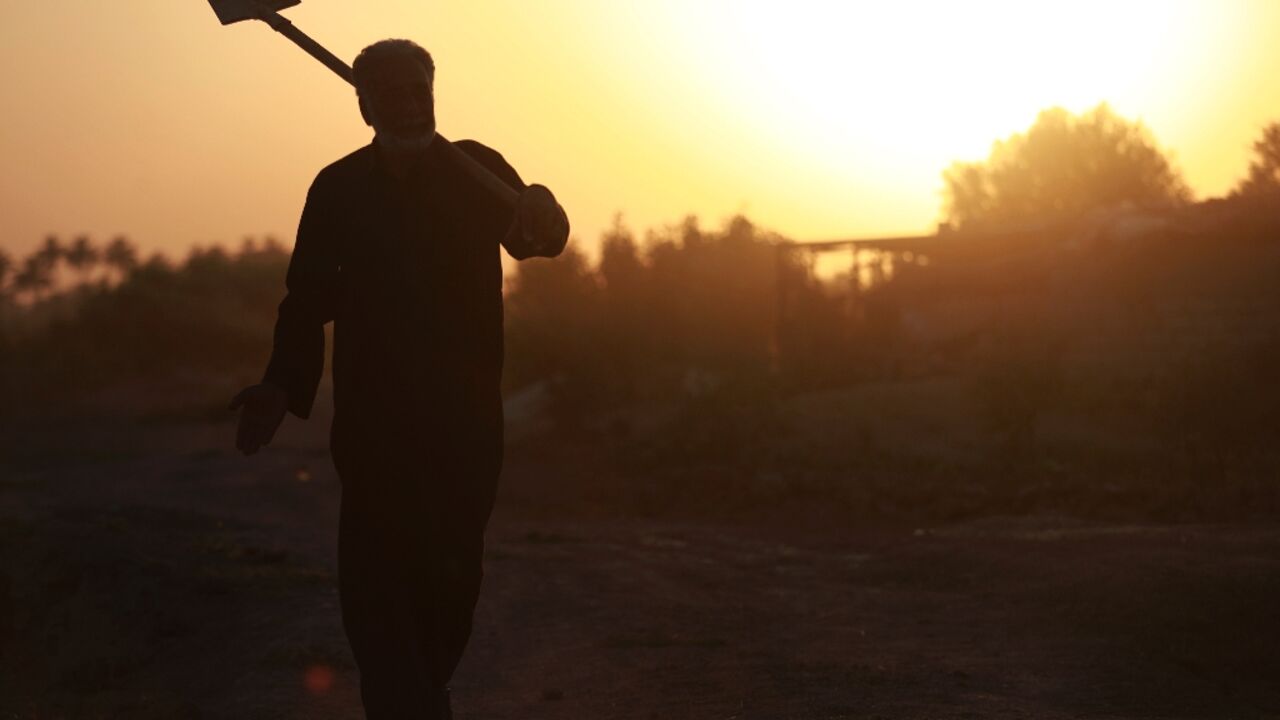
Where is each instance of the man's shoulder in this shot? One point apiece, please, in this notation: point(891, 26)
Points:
point(491, 159)
point(353, 165)
point(481, 152)
point(475, 147)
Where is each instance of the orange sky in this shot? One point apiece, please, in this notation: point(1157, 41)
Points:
point(821, 120)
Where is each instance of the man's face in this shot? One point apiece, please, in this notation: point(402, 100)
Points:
point(400, 105)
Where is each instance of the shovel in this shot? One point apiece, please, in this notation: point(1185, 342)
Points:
point(234, 11)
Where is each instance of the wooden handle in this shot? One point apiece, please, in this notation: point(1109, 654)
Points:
point(500, 189)
point(281, 24)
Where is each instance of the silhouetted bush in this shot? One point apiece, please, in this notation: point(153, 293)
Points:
point(1062, 167)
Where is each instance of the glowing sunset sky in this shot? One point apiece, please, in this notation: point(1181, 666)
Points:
point(821, 120)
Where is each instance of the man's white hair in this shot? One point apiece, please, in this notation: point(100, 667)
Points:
point(372, 59)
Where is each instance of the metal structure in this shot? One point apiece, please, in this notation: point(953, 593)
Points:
point(873, 261)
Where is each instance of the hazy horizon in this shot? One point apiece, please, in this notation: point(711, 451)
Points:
point(818, 121)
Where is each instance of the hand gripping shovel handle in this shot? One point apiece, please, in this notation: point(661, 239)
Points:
point(504, 192)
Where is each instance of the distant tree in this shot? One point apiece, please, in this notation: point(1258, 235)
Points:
point(1264, 169)
point(35, 277)
point(82, 256)
point(714, 292)
point(6, 268)
point(50, 254)
point(121, 256)
point(625, 340)
point(1064, 165)
point(620, 263)
point(553, 313)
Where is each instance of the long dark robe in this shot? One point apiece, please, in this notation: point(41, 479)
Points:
point(409, 271)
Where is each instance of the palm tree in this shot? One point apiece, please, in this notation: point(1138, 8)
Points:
point(6, 267)
point(7, 291)
point(6, 296)
point(50, 252)
point(82, 256)
point(122, 256)
point(47, 257)
point(35, 277)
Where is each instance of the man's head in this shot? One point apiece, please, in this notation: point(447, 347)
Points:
point(394, 81)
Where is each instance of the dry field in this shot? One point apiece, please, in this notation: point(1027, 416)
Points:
point(149, 572)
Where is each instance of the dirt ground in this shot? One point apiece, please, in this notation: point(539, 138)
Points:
point(150, 572)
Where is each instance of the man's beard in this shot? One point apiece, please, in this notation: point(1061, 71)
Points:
point(416, 142)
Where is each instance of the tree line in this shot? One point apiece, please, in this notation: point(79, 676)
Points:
point(680, 309)
point(34, 278)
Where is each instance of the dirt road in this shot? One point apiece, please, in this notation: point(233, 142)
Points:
point(153, 574)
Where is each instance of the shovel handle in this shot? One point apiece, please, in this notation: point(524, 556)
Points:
point(501, 190)
point(281, 24)
point(495, 185)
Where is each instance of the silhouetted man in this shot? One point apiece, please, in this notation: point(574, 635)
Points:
point(399, 247)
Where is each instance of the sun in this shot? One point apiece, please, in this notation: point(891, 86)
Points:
point(903, 89)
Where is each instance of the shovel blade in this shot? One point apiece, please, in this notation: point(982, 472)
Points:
point(233, 11)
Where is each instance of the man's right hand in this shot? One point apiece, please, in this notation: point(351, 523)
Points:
point(264, 407)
